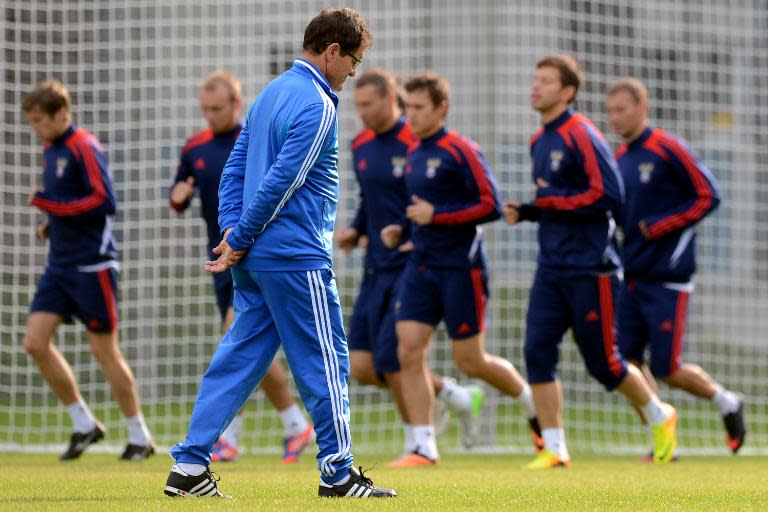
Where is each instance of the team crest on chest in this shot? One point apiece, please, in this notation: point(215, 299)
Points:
point(432, 165)
point(200, 164)
point(645, 172)
point(398, 164)
point(555, 157)
point(61, 164)
point(362, 165)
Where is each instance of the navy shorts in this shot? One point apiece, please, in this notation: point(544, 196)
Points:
point(430, 294)
point(652, 315)
point(90, 296)
point(372, 327)
point(584, 304)
point(222, 285)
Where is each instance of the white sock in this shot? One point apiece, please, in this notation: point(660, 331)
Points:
point(232, 432)
point(653, 411)
point(525, 399)
point(554, 441)
point(191, 469)
point(293, 420)
point(82, 417)
point(726, 401)
point(138, 433)
point(410, 439)
point(456, 396)
point(424, 435)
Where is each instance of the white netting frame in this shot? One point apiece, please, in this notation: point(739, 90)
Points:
point(132, 68)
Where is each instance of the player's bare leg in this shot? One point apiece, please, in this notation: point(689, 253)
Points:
point(362, 370)
point(106, 350)
point(472, 359)
point(56, 371)
point(413, 342)
point(693, 379)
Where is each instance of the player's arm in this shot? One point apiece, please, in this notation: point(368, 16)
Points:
point(604, 190)
point(99, 198)
point(515, 212)
point(704, 198)
point(348, 238)
point(306, 137)
point(183, 188)
point(232, 180)
point(485, 206)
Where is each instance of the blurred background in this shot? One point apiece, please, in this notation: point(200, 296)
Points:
point(133, 68)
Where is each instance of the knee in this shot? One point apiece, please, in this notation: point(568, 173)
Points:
point(469, 366)
point(410, 355)
point(36, 346)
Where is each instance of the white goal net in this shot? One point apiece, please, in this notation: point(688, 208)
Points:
point(133, 67)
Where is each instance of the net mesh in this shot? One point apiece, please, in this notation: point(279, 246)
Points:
point(133, 69)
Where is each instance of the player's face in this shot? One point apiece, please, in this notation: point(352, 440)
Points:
point(625, 114)
point(374, 109)
point(340, 67)
point(547, 92)
point(219, 109)
point(425, 117)
point(47, 127)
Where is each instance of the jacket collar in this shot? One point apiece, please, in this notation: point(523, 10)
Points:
point(308, 69)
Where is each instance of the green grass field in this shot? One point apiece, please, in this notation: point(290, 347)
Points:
point(476, 482)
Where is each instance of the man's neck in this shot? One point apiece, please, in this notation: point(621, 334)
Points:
point(553, 113)
point(317, 60)
point(432, 131)
point(390, 124)
point(636, 133)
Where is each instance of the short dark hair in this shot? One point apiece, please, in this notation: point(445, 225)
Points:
point(344, 26)
point(50, 97)
point(384, 81)
point(570, 73)
point(438, 87)
point(632, 86)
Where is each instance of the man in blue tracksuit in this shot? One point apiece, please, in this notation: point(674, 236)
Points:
point(669, 190)
point(277, 208)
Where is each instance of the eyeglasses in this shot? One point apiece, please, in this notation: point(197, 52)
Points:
point(356, 62)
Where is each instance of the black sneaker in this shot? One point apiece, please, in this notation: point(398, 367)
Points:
point(358, 486)
point(734, 425)
point(181, 484)
point(138, 451)
point(82, 440)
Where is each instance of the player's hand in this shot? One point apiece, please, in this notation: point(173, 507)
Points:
point(41, 231)
point(540, 183)
point(183, 190)
point(511, 212)
point(421, 211)
point(391, 235)
point(644, 229)
point(347, 239)
point(227, 256)
point(32, 195)
point(406, 247)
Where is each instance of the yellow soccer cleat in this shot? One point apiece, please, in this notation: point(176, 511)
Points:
point(547, 460)
point(665, 437)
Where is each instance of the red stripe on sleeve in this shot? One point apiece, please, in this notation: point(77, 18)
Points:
point(704, 192)
point(592, 169)
point(452, 142)
point(83, 151)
